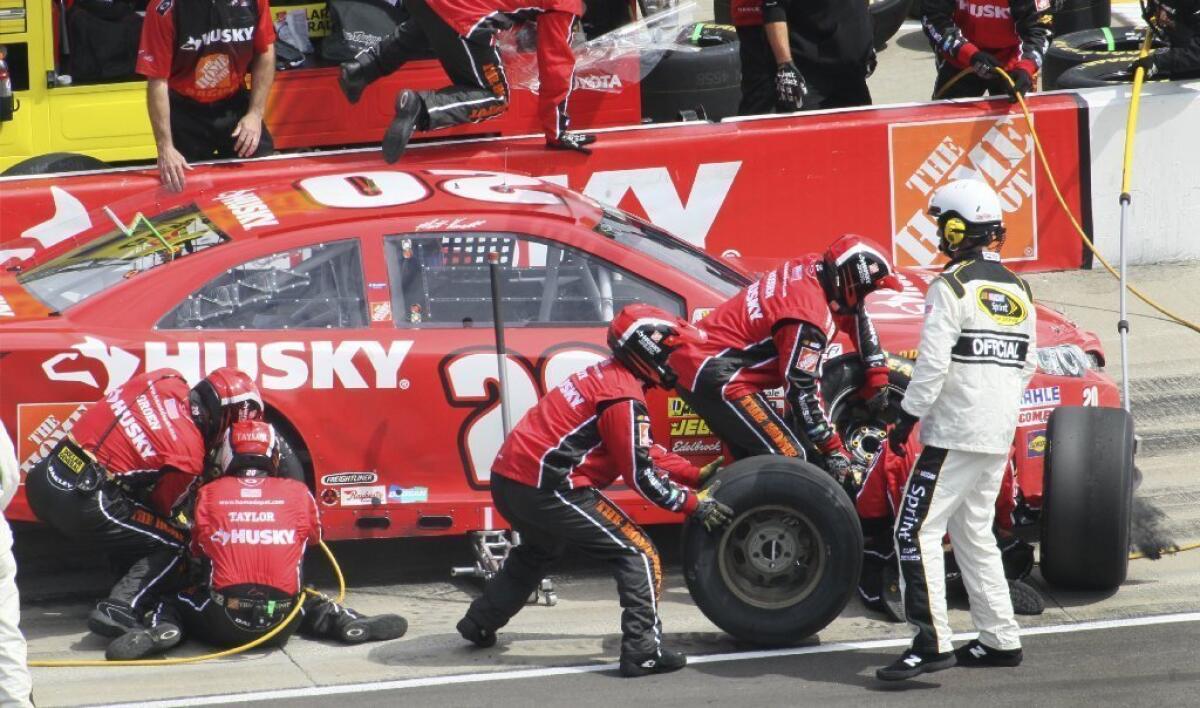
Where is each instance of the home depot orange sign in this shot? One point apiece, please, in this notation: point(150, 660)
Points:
point(926, 155)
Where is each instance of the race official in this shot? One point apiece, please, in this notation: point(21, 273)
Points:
point(823, 53)
point(977, 354)
point(462, 34)
point(1178, 21)
point(757, 60)
point(142, 446)
point(195, 55)
point(982, 35)
point(250, 529)
point(586, 433)
point(775, 334)
point(16, 685)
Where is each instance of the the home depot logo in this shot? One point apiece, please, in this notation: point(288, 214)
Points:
point(927, 155)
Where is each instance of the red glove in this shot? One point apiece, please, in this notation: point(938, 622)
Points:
point(874, 388)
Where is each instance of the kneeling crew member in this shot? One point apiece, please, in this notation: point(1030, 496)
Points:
point(250, 529)
point(982, 35)
point(774, 334)
point(584, 434)
point(147, 437)
point(975, 358)
point(463, 35)
point(1179, 22)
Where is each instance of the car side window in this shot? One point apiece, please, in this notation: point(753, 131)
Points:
point(315, 287)
point(443, 279)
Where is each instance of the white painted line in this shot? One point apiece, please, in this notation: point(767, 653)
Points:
point(483, 677)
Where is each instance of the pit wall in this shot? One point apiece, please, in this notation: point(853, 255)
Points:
point(773, 187)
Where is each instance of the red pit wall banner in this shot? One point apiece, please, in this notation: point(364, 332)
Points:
point(764, 188)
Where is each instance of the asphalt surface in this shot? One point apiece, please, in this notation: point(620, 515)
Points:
point(1130, 666)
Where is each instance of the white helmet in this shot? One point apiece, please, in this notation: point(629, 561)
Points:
point(968, 214)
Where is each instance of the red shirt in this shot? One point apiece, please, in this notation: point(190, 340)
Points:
point(203, 48)
point(587, 432)
point(1016, 32)
point(254, 530)
point(747, 327)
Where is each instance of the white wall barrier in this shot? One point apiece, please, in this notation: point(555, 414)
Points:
point(1165, 223)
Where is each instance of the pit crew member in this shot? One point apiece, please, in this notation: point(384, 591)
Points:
point(977, 354)
point(982, 35)
point(823, 53)
point(878, 506)
point(250, 528)
point(195, 56)
point(581, 437)
point(774, 334)
point(462, 34)
point(142, 446)
point(16, 685)
point(757, 60)
point(1178, 21)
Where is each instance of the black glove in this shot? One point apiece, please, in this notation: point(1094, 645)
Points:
point(898, 435)
point(872, 62)
point(710, 512)
point(1022, 84)
point(1147, 63)
point(789, 87)
point(572, 141)
point(984, 65)
point(838, 465)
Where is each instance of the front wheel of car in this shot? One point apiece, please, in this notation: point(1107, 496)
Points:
point(787, 564)
point(1088, 497)
point(53, 163)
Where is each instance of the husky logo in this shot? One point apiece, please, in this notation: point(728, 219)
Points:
point(119, 365)
point(220, 537)
point(191, 44)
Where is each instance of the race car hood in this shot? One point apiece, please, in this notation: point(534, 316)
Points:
point(16, 303)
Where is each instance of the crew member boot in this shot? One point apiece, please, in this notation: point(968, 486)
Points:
point(664, 662)
point(410, 110)
point(330, 620)
point(358, 73)
point(113, 618)
point(140, 643)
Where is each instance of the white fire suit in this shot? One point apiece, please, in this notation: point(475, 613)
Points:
point(977, 354)
point(15, 682)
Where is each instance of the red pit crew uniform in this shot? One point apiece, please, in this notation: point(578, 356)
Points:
point(463, 35)
point(773, 334)
point(1015, 32)
point(583, 435)
point(203, 48)
point(139, 436)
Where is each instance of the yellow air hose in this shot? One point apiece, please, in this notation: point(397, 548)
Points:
point(1129, 133)
point(337, 571)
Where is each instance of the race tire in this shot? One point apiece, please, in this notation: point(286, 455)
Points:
point(708, 79)
point(1069, 50)
point(1103, 72)
point(787, 564)
point(1076, 15)
point(1086, 505)
point(54, 162)
point(841, 377)
point(295, 462)
point(886, 18)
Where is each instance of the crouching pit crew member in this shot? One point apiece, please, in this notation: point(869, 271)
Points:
point(774, 334)
point(250, 528)
point(546, 481)
point(142, 446)
point(975, 358)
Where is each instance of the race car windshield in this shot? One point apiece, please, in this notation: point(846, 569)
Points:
point(107, 260)
point(661, 246)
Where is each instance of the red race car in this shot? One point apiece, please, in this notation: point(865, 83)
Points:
point(359, 300)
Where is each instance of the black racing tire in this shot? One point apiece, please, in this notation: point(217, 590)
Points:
point(1088, 497)
point(1103, 72)
point(863, 431)
point(787, 564)
point(687, 80)
point(54, 162)
point(295, 462)
point(1069, 50)
point(886, 18)
point(1076, 15)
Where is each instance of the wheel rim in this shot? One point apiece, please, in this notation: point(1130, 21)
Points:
point(863, 432)
point(771, 557)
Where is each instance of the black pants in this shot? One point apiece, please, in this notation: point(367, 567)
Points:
point(113, 520)
point(758, 72)
point(584, 519)
point(834, 86)
point(969, 86)
point(244, 613)
point(406, 43)
point(204, 131)
point(479, 87)
point(750, 425)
